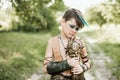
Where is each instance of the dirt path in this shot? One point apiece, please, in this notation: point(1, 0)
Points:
point(98, 71)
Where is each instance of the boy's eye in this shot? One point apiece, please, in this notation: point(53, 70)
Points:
point(77, 29)
point(74, 27)
point(71, 26)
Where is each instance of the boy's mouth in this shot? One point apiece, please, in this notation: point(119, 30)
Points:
point(71, 34)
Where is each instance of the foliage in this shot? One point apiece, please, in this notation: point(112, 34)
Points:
point(58, 6)
point(104, 13)
point(111, 12)
point(18, 57)
point(36, 15)
point(94, 15)
point(114, 1)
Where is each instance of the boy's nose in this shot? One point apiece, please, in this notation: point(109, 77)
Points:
point(74, 31)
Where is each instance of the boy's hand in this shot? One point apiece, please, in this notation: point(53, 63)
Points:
point(77, 69)
point(73, 61)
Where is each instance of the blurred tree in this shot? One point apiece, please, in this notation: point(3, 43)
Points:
point(37, 13)
point(114, 1)
point(94, 15)
point(111, 12)
point(58, 6)
point(108, 12)
point(118, 1)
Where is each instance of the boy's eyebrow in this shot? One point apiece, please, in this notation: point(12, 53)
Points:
point(73, 25)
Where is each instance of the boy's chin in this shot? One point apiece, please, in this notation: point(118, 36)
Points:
point(71, 36)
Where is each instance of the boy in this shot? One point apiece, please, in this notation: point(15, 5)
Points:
point(66, 52)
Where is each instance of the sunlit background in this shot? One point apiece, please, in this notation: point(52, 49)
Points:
point(82, 4)
point(27, 25)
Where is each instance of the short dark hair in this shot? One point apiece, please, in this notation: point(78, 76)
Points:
point(74, 13)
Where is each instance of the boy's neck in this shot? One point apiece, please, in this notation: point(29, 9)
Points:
point(64, 37)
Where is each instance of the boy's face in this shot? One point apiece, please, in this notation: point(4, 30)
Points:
point(70, 28)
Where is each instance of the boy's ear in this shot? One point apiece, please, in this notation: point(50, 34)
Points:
point(62, 21)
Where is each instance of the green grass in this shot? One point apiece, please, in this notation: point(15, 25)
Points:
point(20, 54)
